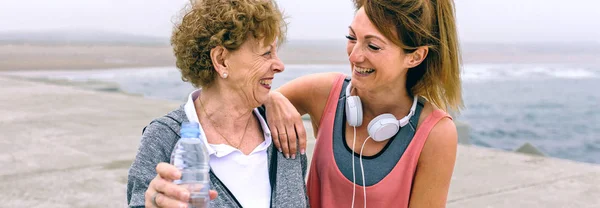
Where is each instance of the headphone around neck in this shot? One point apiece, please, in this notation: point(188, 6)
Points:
point(381, 127)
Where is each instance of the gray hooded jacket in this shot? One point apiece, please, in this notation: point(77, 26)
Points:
point(286, 176)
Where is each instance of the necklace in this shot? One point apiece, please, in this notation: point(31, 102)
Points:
point(215, 127)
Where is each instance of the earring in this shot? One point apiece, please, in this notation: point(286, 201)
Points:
point(224, 75)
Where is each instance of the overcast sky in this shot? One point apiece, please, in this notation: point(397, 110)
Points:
point(478, 20)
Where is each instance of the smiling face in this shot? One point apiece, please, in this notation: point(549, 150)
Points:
point(251, 70)
point(377, 63)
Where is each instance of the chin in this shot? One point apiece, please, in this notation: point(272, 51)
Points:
point(261, 98)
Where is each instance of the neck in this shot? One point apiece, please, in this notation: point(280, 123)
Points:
point(226, 111)
point(392, 99)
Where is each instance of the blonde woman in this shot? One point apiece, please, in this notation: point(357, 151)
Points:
point(384, 138)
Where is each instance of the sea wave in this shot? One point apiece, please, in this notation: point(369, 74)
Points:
point(484, 72)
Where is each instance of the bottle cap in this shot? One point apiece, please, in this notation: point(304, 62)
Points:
point(190, 130)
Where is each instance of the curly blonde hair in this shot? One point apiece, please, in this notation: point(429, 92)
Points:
point(209, 23)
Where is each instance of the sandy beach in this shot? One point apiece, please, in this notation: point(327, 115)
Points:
point(23, 57)
point(69, 57)
point(80, 56)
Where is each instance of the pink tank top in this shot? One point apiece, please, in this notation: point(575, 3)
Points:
point(327, 186)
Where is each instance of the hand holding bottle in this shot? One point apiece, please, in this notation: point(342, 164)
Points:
point(164, 192)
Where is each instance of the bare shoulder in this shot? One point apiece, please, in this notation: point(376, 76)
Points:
point(436, 164)
point(443, 135)
point(442, 141)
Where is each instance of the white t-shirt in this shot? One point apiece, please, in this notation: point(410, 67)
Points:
point(246, 176)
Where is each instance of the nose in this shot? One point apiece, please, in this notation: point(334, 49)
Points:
point(356, 55)
point(278, 66)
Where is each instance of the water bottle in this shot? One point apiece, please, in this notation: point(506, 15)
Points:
point(190, 156)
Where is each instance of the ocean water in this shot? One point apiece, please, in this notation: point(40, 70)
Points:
point(554, 107)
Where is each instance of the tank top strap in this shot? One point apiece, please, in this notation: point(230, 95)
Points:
point(332, 100)
point(424, 129)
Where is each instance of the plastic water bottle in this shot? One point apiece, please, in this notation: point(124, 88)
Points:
point(190, 156)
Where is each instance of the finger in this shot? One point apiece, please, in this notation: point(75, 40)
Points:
point(275, 138)
point(170, 189)
point(283, 139)
point(292, 140)
point(168, 171)
point(148, 196)
point(301, 132)
point(213, 194)
point(164, 201)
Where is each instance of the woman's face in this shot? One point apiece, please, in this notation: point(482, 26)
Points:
point(375, 60)
point(252, 68)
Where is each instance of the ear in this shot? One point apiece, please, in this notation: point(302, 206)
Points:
point(217, 56)
point(416, 57)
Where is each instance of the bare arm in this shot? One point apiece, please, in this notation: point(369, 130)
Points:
point(435, 166)
point(306, 94)
point(309, 93)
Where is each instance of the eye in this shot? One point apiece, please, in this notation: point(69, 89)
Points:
point(350, 38)
point(267, 54)
point(374, 47)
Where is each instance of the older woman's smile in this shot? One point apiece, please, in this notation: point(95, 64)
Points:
point(266, 82)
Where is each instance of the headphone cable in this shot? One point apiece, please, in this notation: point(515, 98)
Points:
point(353, 171)
point(362, 170)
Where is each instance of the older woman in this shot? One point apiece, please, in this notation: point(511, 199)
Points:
point(384, 138)
point(229, 50)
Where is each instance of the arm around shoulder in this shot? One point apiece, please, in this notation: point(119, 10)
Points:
point(309, 93)
point(284, 108)
point(435, 166)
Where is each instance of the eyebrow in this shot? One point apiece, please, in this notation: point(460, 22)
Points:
point(269, 48)
point(369, 36)
point(261, 47)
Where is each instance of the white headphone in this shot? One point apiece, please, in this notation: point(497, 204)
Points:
point(381, 127)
